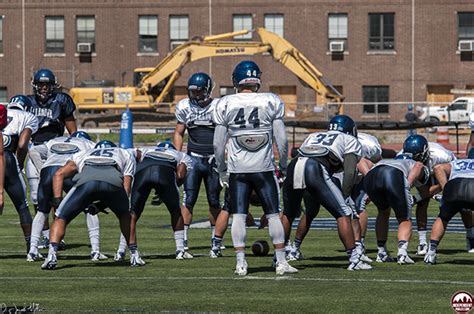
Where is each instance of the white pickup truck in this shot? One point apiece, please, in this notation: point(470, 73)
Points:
point(458, 111)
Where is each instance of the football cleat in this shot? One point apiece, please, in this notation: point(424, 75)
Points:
point(284, 268)
point(241, 268)
point(360, 265)
point(180, 255)
point(97, 256)
point(422, 249)
point(62, 246)
point(136, 260)
point(404, 259)
point(470, 245)
point(295, 255)
point(366, 259)
point(430, 258)
point(215, 253)
point(32, 257)
point(44, 243)
point(119, 256)
point(50, 263)
point(383, 257)
point(185, 243)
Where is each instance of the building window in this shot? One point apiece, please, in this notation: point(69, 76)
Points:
point(55, 34)
point(375, 94)
point(1, 34)
point(86, 32)
point(3, 94)
point(148, 33)
point(381, 31)
point(179, 30)
point(465, 26)
point(241, 22)
point(337, 29)
point(275, 23)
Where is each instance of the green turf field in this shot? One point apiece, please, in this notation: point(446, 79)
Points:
point(209, 285)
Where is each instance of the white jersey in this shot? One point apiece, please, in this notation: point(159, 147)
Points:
point(249, 118)
point(167, 154)
point(462, 168)
point(17, 122)
point(111, 156)
point(338, 143)
point(371, 148)
point(61, 149)
point(439, 155)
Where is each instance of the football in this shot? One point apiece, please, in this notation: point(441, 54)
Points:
point(260, 248)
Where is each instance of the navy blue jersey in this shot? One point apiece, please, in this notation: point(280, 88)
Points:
point(51, 116)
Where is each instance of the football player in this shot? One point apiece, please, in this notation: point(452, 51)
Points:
point(16, 137)
point(249, 120)
point(3, 124)
point(60, 150)
point(105, 174)
point(195, 115)
point(161, 168)
point(320, 156)
point(55, 112)
point(388, 185)
point(371, 153)
point(434, 155)
point(457, 181)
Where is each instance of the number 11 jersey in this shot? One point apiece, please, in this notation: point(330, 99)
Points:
point(249, 118)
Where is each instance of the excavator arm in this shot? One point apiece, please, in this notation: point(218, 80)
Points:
point(212, 46)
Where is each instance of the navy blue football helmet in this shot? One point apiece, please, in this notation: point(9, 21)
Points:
point(246, 73)
point(344, 124)
point(81, 134)
point(200, 88)
point(417, 147)
point(166, 144)
point(105, 144)
point(19, 102)
point(44, 83)
point(403, 157)
point(470, 154)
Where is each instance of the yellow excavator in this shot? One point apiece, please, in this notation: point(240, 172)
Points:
point(154, 84)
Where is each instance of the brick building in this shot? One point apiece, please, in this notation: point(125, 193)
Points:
point(392, 51)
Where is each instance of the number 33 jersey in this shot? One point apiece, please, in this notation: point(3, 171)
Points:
point(249, 118)
point(338, 143)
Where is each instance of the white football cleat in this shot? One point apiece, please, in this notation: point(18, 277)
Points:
point(470, 245)
point(285, 268)
point(430, 258)
point(360, 265)
point(185, 243)
point(384, 258)
point(422, 249)
point(404, 259)
point(31, 257)
point(97, 256)
point(241, 268)
point(366, 259)
point(119, 256)
point(295, 255)
point(136, 260)
point(180, 255)
point(50, 263)
point(215, 253)
point(43, 243)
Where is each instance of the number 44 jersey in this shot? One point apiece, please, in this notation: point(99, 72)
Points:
point(249, 118)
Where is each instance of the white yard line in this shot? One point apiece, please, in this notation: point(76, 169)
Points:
point(287, 278)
